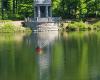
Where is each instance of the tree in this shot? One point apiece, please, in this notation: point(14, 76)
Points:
point(82, 9)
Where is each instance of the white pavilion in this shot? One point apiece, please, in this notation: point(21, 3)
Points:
point(43, 20)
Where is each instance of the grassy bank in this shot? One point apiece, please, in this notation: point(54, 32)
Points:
point(80, 26)
point(7, 26)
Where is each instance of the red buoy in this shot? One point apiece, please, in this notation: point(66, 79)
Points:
point(39, 50)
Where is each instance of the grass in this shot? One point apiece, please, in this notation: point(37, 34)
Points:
point(8, 27)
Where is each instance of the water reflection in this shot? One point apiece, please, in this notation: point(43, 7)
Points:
point(48, 56)
point(43, 42)
point(81, 55)
point(10, 55)
point(42, 39)
point(9, 37)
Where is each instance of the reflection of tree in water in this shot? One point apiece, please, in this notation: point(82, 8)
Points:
point(44, 42)
point(7, 37)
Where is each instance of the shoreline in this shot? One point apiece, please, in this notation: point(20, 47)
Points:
point(74, 25)
point(8, 26)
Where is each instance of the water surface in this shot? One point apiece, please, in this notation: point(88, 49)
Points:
point(50, 56)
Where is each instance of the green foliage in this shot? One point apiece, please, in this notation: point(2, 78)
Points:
point(97, 24)
point(80, 9)
point(73, 26)
point(25, 10)
point(77, 25)
point(3, 21)
point(8, 27)
point(15, 9)
point(56, 7)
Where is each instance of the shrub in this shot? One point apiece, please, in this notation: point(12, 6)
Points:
point(9, 27)
point(77, 25)
point(97, 24)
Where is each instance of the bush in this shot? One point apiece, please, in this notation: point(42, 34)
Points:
point(97, 24)
point(9, 27)
point(72, 26)
point(77, 25)
point(17, 17)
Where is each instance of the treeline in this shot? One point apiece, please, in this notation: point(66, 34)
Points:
point(76, 8)
point(19, 9)
point(15, 9)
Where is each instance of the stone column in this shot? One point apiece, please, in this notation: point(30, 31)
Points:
point(50, 11)
point(39, 11)
point(46, 11)
point(35, 12)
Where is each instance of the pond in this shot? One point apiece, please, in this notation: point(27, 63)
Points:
point(50, 56)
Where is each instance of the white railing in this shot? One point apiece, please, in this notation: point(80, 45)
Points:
point(53, 19)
